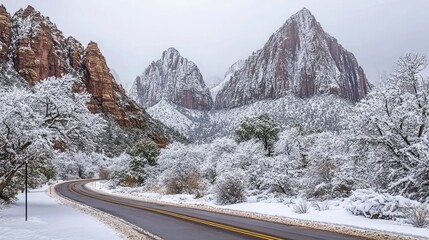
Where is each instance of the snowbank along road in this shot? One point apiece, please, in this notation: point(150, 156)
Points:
point(172, 222)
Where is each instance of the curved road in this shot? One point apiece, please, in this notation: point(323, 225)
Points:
point(172, 222)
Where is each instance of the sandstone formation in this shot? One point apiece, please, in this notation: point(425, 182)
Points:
point(301, 59)
point(5, 35)
point(38, 48)
point(174, 79)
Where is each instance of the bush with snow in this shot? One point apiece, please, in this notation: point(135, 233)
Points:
point(184, 182)
point(417, 215)
point(135, 166)
point(179, 169)
point(370, 204)
point(230, 188)
point(321, 206)
point(301, 206)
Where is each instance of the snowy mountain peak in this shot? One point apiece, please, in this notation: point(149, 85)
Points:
point(171, 50)
point(170, 55)
point(174, 79)
point(32, 14)
point(27, 11)
point(301, 59)
point(303, 13)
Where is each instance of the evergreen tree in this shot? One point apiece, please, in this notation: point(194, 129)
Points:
point(262, 128)
point(143, 155)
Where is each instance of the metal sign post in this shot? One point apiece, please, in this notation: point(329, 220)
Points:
point(26, 183)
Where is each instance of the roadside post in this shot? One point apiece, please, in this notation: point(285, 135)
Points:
point(26, 188)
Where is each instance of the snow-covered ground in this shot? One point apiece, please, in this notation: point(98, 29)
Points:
point(336, 214)
point(49, 220)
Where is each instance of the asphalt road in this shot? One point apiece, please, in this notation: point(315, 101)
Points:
point(179, 223)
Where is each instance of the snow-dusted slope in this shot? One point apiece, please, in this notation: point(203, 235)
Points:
point(174, 79)
point(235, 67)
point(314, 114)
point(300, 58)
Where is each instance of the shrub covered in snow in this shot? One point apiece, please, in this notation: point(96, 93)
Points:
point(179, 169)
point(134, 167)
point(230, 188)
point(321, 206)
point(301, 206)
point(185, 182)
point(368, 203)
point(417, 215)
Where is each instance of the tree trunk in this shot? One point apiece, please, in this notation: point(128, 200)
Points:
point(9, 177)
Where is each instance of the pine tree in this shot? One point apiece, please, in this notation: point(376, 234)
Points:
point(262, 128)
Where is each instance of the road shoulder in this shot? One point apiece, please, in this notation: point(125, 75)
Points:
point(127, 230)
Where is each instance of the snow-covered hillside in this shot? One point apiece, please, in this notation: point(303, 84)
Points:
point(314, 115)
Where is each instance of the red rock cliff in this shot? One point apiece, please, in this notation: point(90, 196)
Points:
point(5, 35)
point(39, 50)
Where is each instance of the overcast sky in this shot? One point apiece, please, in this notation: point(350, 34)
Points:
point(216, 33)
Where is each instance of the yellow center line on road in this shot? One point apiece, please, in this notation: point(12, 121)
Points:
point(73, 188)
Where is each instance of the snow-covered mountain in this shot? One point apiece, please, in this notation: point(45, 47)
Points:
point(302, 77)
point(33, 48)
point(174, 79)
point(300, 58)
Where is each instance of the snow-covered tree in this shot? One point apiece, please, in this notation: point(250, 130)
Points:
point(73, 165)
point(391, 126)
point(37, 122)
point(142, 156)
point(331, 171)
point(180, 168)
point(263, 128)
point(146, 151)
point(217, 153)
